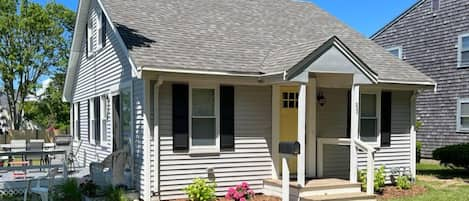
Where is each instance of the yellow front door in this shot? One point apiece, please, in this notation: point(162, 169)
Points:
point(289, 119)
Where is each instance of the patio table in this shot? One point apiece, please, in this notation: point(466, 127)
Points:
point(7, 147)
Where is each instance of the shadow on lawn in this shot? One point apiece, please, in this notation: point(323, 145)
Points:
point(445, 173)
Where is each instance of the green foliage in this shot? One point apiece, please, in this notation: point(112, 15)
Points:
point(88, 188)
point(419, 151)
point(35, 43)
point(201, 190)
point(457, 155)
point(50, 111)
point(379, 181)
point(115, 194)
point(403, 182)
point(67, 191)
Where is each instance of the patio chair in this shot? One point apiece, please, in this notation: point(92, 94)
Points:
point(36, 145)
point(18, 145)
point(44, 191)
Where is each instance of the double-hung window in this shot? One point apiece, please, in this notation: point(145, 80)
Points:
point(89, 38)
point(396, 51)
point(204, 118)
point(463, 115)
point(463, 50)
point(370, 117)
point(101, 29)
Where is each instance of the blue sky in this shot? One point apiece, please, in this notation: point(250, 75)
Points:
point(365, 16)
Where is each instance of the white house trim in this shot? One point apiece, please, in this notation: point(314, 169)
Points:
point(399, 51)
point(275, 131)
point(354, 126)
point(460, 50)
point(301, 134)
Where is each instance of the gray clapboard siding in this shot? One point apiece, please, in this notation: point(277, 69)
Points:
point(428, 40)
point(250, 161)
point(95, 76)
point(336, 161)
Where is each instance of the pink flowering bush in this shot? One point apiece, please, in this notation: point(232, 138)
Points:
point(241, 192)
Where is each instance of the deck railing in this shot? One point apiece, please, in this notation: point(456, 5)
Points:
point(370, 166)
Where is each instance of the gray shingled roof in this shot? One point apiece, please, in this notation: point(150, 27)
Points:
point(244, 36)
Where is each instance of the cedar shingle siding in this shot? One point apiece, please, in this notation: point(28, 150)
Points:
point(429, 42)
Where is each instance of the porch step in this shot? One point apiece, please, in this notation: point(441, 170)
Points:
point(341, 197)
point(315, 188)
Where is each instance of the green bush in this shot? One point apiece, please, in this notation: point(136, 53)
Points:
point(201, 190)
point(380, 178)
point(403, 182)
point(419, 151)
point(68, 191)
point(457, 155)
point(115, 194)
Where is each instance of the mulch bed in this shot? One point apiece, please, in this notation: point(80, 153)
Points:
point(391, 192)
point(256, 198)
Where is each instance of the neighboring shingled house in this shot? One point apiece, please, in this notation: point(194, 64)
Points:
point(208, 88)
point(433, 36)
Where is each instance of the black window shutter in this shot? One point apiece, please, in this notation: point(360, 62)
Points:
point(103, 29)
point(180, 117)
point(86, 39)
point(349, 111)
point(386, 119)
point(78, 122)
point(227, 117)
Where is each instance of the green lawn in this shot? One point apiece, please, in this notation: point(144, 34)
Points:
point(442, 184)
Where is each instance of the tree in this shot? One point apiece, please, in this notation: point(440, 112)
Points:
point(34, 43)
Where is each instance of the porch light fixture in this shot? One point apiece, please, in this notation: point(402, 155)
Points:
point(321, 99)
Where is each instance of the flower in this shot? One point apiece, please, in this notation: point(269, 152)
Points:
point(241, 192)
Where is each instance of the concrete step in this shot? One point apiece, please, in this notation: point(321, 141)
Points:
point(341, 197)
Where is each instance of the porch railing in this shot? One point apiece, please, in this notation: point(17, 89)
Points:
point(370, 166)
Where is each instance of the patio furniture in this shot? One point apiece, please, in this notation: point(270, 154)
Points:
point(63, 139)
point(18, 145)
point(44, 191)
point(19, 174)
point(35, 145)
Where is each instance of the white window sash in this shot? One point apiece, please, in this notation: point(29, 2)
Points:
point(76, 129)
point(89, 40)
point(399, 50)
point(461, 50)
point(459, 115)
point(103, 118)
point(92, 122)
point(98, 30)
point(377, 117)
point(205, 148)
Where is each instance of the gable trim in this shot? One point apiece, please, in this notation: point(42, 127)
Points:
point(397, 19)
point(332, 42)
point(77, 42)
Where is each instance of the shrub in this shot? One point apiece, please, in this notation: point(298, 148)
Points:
point(418, 151)
point(88, 188)
point(241, 192)
point(67, 191)
point(403, 182)
point(380, 178)
point(115, 194)
point(201, 190)
point(457, 155)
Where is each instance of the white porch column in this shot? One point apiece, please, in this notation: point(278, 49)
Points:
point(275, 131)
point(147, 122)
point(311, 127)
point(301, 134)
point(354, 122)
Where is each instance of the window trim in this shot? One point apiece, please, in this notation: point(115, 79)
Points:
point(460, 50)
point(431, 5)
point(459, 128)
point(76, 121)
point(89, 40)
point(205, 149)
point(377, 93)
point(398, 48)
point(103, 118)
point(99, 27)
